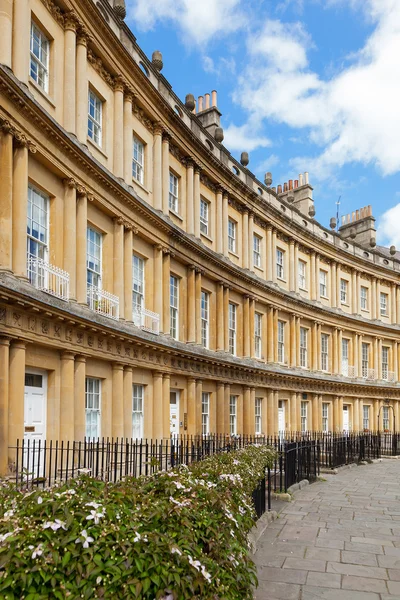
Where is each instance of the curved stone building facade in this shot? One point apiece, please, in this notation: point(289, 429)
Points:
point(149, 283)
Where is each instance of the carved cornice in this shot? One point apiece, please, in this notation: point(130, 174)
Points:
point(99, 67)
point(55, 11)
point(205, 180)
point(141, 116)
point(20, 138)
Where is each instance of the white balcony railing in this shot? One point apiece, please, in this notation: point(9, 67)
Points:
point(146, 319)
point(48, 278)
point(348, 370)
point(368, 373)
point(103, 302)
point(388, 376)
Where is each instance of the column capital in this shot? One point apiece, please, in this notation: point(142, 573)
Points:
point(128, 369)
point(191, 379)
point(23, 142)
point(117, 367)
point(70, 182)
point(157, 373)
point(5, 340)
point(166, 135)
point(192, 267)
point(129, 227)
point(166, 376)
point(220, 189)
point(71, 21)
point(158, 128)
point(118, 221)
point(200, 271)
point(83, 36)
point(67, 355)
point(80, 358)
point(119, 83)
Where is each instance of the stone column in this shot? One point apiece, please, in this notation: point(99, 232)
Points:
point(336, 419)
point(335, 350)
point(319, 365)
point(398, 304)
point(157, 167)
point(313, 290)
point(396, 361)
point(245, 239)
point(128, 273)
point(275, 336)
point(128, 401)
point(128, 138)
point(219, 233)
point(225, 222)
point(198, 306)
point(6, 171)
point(246, 331)
point(21, 33)
point(81, 242)
point(269, 253)
point(226, 408)
point(379, 359)
point(20, 207)
point(356, 346)
point(190, 196)
point(298, 323)
point(270, 413)
point(252, 416)
point(70, 24)
point(165, 172)
point(67, 403)
point(191, 308)
point(158, 284)
point(166, 406)
point(315, 413)
point(199, 393)
point(373, 298)
point(276, 409)
point(356, 414)
point(70, 234)
point(247, 428)
point(226, 317)
point(296, 267)
point(220, 317)
point(251, 236)
point(252, 330)
point(157, 405)
point(378, 299)
point(220, 407)
point(274, 276)
point(341, 413)
point(4, 403)
point(6, 23)
point(339, 350)
point(393, 304)
point(79, 398)
point(117, 401)
point(16, 387)
point(118, 151)
point(118, 264)
point(333, 285)
point(191, 405)
point(293, 342)
point(166, 267)
point(314, 346)
point(354, 291)
point(196, 200)
point(292, 272)
point(293, 411)
point(81, 88)
point(317, 270)
point(270, 332)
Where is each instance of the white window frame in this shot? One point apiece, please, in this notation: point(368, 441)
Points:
point(232, 326)
point(324, 352)
point(138, 287)
point(303, 347)
point(385, 362)
point(204, 216)
point(137, 160)
point(385, 418)
point(345, 356)
point(258, 335)
point(137, 411)
point(173, 197)
point(303, 415)
point(233, 402)
point(325, 416)
point(96, 133)
point(92, 407)
point(383, 302)
point(232, 229)
point(344, 289)
point(364, 297)
point(280, 263)
point(94, 277)
point(281, 341)
point(258, 416)
point(40, 73)
point(174, 306)
point(366, 413)
point(205, 318)
point(302, 273)
point(205, 413)
point(364, 359)
point(323, 283)
point(257, 241)
point(38, 219)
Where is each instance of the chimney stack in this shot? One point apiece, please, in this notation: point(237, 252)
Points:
point(359, 226)
point(299, 193)
point(208, 113)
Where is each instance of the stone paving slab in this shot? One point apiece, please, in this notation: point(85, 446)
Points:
point(338, 540)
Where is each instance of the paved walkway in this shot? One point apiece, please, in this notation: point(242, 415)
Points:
point(338, 540)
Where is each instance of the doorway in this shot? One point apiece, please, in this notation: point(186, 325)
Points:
point(35, 407)
point(174, 412)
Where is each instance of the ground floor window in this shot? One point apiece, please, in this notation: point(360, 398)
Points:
point(385, 415)
point(137, 411)
point(233, 415)
point(92, 407)
point(258, 415)
point(365, 417)
point(303, 416)
point(205, 413)
point(325, 418)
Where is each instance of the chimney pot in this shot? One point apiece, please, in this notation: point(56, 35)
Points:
point(290, 184)
point(300, 179)
point(285, 188)
point(214, 98)
point(296, 184)
point(207, 97)
point(273, 189)
point(200, 104)
point(306, 177)
point(279, 189)
point(358, 215)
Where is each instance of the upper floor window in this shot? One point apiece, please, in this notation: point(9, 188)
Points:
point(345, 357)
point(138, 160)
point(325, 418)
point(323, 287)
point(137, 288)
point(302, 275)
point(95, 118)
point(233, 415)
point(231, 235)
point(205, 413)
point(93, 257)
point(257, 335)
point(204, 210)
point(344, 286)
point(174, 305)
point(324, 351)
point(232, 328)
point(37, 232)
point(40, 51)
point(280, 266)
point(258, 416)
point(92, 407)
point(281, 341)
point(384, 304)
point(205, 318)
point(303, 347)
point(385, 363)
point(364, 298)
point(257, 250)
point(137, 411)
point(365, 416)
point(173, 193)
point(364, 359)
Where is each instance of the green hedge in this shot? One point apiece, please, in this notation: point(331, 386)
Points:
point(176, 535)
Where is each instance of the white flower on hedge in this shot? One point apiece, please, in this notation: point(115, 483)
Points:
point(179, 485)
point(85, 539)
point(4, 536)
point(9, 514)
point(54, 526)
point(37, 551)
point(175, 550)
point(211, 485)
point(195, 563)
point(93, 504)
point(40, 500)
point(95, 516)
point(205, 574)
point(98, 580)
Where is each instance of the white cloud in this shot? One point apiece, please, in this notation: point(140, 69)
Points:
point(244, 138)
point(224, 67)
point(389, 227)
point(198, 21)
point(267, 164)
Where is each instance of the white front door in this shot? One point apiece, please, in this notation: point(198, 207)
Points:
point(345, 418)
point(34, 420)
point(281, 416)
point(174, 412)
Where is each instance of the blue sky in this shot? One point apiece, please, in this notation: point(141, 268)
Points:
point(303, 85)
